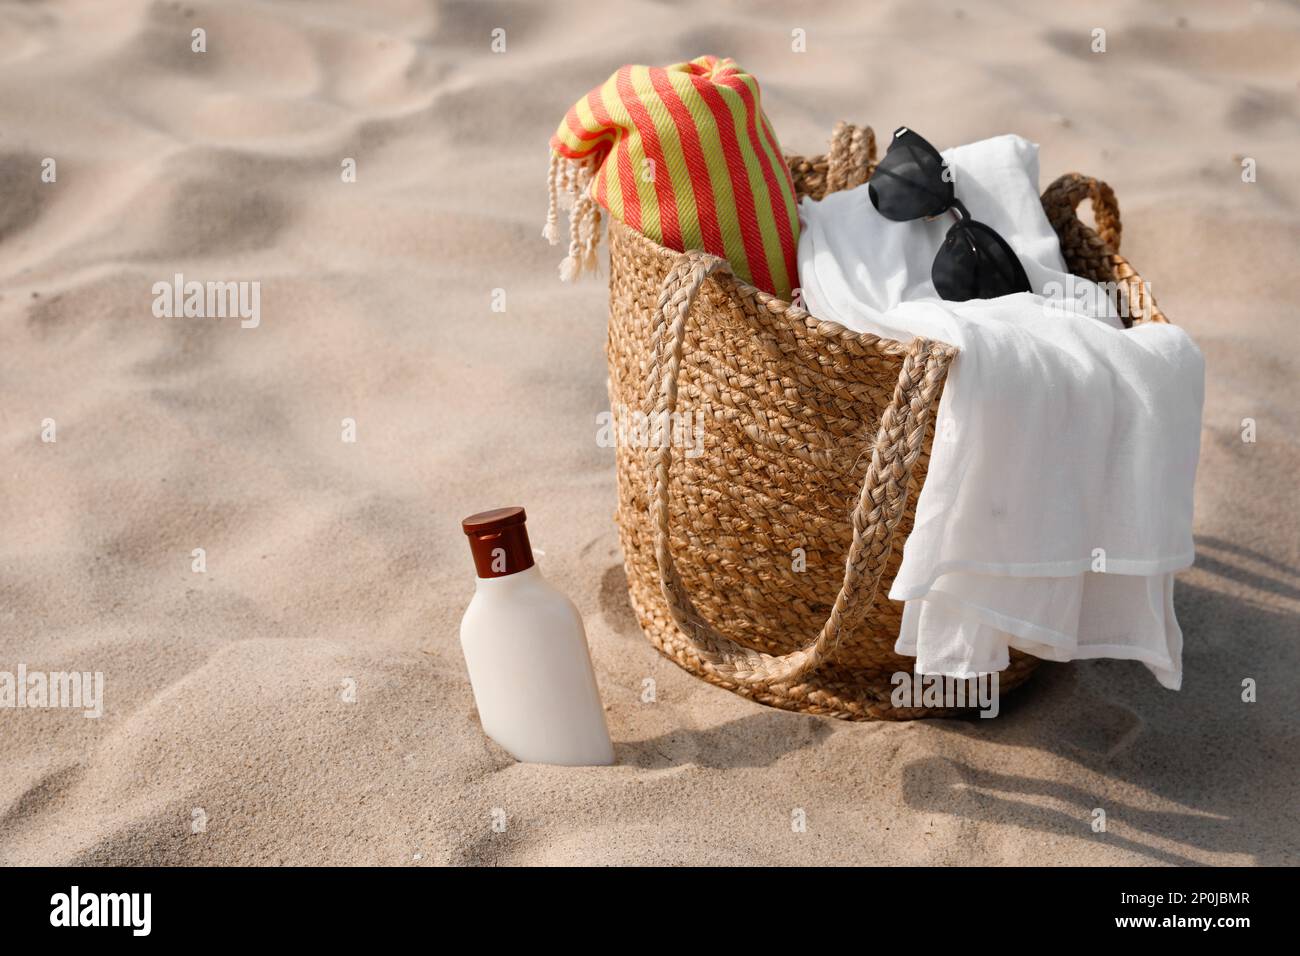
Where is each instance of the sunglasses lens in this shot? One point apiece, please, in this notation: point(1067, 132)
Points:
point(909, 182)
point(976, 263)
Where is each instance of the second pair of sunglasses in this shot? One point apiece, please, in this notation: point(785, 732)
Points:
point(974, 262)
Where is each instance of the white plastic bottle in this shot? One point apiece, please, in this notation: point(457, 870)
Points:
point(527, 655)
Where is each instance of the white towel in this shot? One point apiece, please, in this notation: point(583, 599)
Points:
point(1064, 445)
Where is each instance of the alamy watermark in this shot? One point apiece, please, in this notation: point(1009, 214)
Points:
point(632, 428)
point(75, 690)
point(1096, 299)
point(935, 690)
point(208, 300)
point(130, 910)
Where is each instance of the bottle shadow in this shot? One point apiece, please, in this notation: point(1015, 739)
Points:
point(759, 739)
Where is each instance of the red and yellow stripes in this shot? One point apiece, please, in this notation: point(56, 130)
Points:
point(684, 155)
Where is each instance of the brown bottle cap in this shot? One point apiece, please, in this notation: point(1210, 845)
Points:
point(498, 539)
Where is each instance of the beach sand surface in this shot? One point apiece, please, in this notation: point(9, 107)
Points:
point(303, 699)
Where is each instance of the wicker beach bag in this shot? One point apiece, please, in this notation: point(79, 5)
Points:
point(760, 549)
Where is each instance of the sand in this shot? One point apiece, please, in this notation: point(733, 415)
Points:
point(303, 700)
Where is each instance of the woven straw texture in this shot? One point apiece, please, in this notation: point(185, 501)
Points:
point(760, 547)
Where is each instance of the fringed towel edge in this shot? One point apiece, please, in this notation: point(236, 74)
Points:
point(568, 186)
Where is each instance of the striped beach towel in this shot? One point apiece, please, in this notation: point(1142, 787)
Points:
point(684, 155)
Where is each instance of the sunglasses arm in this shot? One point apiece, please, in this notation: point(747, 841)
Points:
point(959, 212)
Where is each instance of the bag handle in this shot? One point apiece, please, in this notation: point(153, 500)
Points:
point(881, 504)
point(849, 162)
point(851, 159)
point(1097, 252)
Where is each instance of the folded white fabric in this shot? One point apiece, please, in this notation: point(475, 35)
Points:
point(1065, 445)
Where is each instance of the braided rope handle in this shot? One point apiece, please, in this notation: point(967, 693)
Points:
point(1095, 254)
point(851, 159)
point(849, 162)
point(881, 504)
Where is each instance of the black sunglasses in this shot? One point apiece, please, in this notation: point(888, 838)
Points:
point(974, 261)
